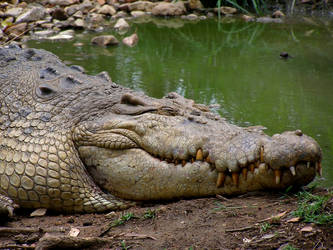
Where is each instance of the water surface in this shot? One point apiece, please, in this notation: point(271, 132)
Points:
point(233, 63)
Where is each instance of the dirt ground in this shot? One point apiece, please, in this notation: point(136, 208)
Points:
point(252, 221)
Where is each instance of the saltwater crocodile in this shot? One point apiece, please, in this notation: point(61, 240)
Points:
point(65, 136)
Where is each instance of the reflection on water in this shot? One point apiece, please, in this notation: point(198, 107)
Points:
point(232, 63)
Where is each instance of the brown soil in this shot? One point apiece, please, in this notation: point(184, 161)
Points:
point(242, 222)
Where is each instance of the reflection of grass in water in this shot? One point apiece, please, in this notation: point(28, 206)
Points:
point(245, 5)
point(236, 36)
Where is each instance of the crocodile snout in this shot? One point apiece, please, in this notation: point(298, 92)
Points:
point(290, 149)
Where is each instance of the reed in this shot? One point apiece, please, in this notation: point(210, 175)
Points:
point(246, 6)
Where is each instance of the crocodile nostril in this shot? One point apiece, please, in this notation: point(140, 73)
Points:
point(298, 132)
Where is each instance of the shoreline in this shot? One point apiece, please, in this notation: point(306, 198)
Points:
point(23, 20)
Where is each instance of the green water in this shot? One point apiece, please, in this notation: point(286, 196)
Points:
point(233, 63)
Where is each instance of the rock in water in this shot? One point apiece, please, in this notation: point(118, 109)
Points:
point(169, 9)
point(131, 40)
point(121, 25)
point(105, 40)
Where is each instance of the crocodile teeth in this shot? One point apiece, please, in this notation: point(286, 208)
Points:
point(220, 179)
point(262, 154)
point(199, 156)
point(319, 169)
point(244, 173)
point(235, 178)
point(252, 167)
point(292, 170)
point(277, 174)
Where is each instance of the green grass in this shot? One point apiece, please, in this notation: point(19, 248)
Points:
point(123, 245)
point(313, 208)
point(123, 219)
point(264, 227)
point(289, 247)
point(149, 214)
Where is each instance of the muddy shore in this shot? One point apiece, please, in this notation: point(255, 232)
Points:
point(252, 221)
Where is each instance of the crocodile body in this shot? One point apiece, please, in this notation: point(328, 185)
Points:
point(65, 136)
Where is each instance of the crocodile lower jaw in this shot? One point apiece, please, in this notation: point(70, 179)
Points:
point(135, 174)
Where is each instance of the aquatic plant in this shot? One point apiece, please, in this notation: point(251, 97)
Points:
point(245, 6)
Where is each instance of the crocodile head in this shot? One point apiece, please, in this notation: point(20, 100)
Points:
point(175, 148)
point(56, 122)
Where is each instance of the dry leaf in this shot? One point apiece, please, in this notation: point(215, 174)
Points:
point(268, 236)
point(246, 240)
point(295, 219)
point(275, 217)
point(74, 232)
point(38, 212)
point(111, 215)
point(307, 229)
point(280, 214)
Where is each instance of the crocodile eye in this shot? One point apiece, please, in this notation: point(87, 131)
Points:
point(45, 91)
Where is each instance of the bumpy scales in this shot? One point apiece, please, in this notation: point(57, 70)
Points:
point(39, 165)
point(65, 134)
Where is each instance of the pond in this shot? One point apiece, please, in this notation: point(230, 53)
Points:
point(229, 62)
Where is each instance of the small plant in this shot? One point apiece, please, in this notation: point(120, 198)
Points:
point(288, 189)
point(312, 208)
point(123, 245)
point(264, 227)
point(124, 218)
point(219, 206)
point(275, 220)
point(149, 214)
point(289, 247)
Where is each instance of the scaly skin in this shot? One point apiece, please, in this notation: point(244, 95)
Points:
point(62, 132)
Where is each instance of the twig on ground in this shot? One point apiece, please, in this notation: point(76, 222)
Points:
point(220, 197)
point(278, 216)
point(28, 230)
point(106, 230)
point(241, 229)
